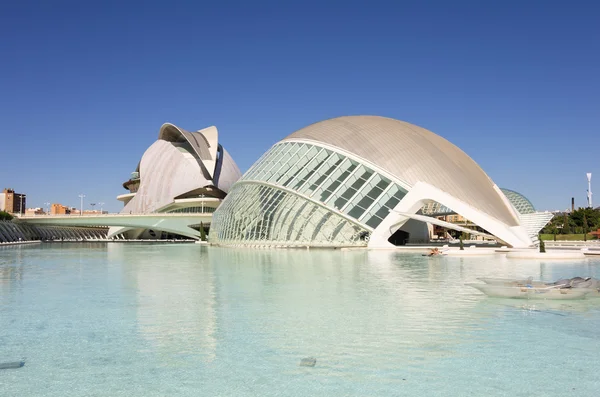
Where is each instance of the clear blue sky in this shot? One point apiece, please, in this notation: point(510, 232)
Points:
point(85, 86)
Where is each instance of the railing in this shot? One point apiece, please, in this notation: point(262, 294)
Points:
point(426, 241)
point(169, 214)
point(566, 243)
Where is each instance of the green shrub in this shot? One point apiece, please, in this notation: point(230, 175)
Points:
point(5, 216)
point(566, 237)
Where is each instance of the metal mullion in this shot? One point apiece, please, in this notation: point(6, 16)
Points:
point(284, 225)
point(327, 164)
point(299, 188)
point(260, 162)
point(275, 158)
point(280, 211)
point(387, 189)
point(257, 230)
point(332, 164)
point(250, 223)
point(268, 164)
point(308, 216)
point(342, 185)
point(276, 200)
point(282, 165)
point(359, 190)
point(328, 177)
point(284, 153)
point(302, 162)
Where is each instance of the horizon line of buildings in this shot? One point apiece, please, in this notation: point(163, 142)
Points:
point(16, 204)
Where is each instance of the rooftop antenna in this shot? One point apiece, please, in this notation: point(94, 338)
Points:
point(589, 191)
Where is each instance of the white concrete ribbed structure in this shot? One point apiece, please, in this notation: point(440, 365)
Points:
point(180, 164)
point(412, 154)
point(169, 168)
point(355, 181)
point(180, 180)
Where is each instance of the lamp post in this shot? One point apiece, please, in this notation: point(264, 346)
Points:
point(92, 205)
point(101, 204)
point(47, 208)
point(81, 196)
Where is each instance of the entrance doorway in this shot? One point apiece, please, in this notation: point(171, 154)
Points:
point(400, 237)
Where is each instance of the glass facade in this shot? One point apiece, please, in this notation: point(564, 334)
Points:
point(303, 194)
point(520, 202)
point(193, 210)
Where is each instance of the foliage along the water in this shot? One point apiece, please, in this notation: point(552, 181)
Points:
point(5, 216)
point(579, 221)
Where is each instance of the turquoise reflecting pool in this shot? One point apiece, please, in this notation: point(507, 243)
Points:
point(186, 320)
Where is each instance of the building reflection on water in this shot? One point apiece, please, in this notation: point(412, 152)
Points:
point(348, 308)
point(175, 297)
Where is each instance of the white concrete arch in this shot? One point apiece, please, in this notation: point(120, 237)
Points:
point(413, 201)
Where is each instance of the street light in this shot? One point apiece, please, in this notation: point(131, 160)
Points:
point(100, 204)
point(47, 208)
point(92, 205)
point(81, 196)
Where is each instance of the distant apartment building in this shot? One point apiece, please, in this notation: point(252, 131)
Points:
point(12, 202)
point(93, 212)
point(35, 211)
point(59, 209)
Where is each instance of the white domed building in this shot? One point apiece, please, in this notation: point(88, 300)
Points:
point(365, 181)
point(182, 172)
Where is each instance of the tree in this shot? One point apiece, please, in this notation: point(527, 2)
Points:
point(5, 216)
point(585, 217)
point(202, 232)
point(565, 228)
point(542, 245)
point(585, 229)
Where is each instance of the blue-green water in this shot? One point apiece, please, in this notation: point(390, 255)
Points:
point(186, 320)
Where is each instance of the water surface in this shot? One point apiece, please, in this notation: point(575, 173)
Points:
point(185, 320)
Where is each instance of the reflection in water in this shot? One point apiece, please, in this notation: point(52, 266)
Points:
point(170, 319)
point(11, 268)
point(175, 297)
point(352, 309)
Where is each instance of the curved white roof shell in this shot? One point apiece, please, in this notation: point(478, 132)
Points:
point(412, 154)
point(180, 162)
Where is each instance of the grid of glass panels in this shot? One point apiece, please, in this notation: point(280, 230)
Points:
point(340, 183)
point(254, 214)
point(193, 210)
point(433, 208)
point(520, 202)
